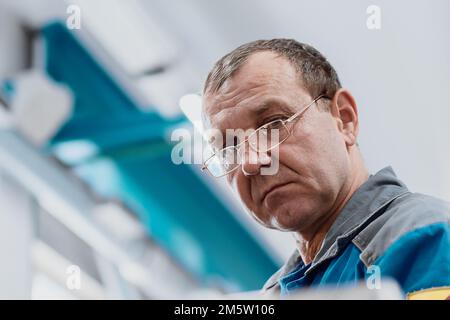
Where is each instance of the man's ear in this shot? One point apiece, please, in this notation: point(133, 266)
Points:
point(345, 111)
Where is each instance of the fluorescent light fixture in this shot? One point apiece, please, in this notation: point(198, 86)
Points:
point(74, 152)
point(191, 106)
point(161, 91)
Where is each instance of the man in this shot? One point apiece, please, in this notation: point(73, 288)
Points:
point(345, 221)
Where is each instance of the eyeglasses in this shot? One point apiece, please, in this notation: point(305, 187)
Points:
point(265, 138)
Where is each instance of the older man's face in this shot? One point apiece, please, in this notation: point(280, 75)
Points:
point(313, 161)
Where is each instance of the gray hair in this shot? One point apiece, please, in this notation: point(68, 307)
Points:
point(317, 74)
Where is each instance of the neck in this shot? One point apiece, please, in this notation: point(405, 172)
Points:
point(310, 242)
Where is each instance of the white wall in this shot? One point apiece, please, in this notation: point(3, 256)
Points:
point(16, 236)
point(11, 44)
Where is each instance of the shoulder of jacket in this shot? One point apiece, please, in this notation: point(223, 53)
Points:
point(406, 213)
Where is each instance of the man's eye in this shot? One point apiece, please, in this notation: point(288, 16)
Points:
point(275, 118)
point(275, 122)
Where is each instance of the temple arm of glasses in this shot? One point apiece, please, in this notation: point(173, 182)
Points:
point(304, 109)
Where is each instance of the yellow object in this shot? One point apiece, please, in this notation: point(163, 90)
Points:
point(440, 293)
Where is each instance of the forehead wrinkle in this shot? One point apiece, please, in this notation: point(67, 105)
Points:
point(231, 102)
point(240, 95)
point(227, 118)
point(221, 119)
point(272, 103)
point(238, 90)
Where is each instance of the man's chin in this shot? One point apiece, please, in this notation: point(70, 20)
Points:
point(281, 220)
point(275, 224)
point(284, 222)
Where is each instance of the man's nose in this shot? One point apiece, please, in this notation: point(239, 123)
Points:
point(253, 161)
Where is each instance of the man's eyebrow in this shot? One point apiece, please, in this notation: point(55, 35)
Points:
point(258, 110)
point(269, 105)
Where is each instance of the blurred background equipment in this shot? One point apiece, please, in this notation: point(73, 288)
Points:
point(92, 205)
point(39, 106)
point(103, 193)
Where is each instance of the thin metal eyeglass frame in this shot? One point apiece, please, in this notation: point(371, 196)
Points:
point(237, 147)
